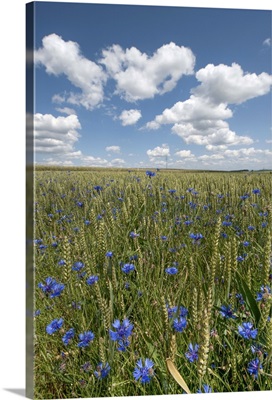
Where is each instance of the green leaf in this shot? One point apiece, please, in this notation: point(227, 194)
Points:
point(248, 297)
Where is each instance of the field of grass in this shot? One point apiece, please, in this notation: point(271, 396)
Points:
point(151, 283)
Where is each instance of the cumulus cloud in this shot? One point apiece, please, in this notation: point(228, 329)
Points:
point(66, 110)
point(206, 133)
point(246, 157)
point(56, 135)
point(193, 109)
point(64, 57)
point(158, 151)
point(113, 149)
point(117, 161)
point(130, 117)
point(201, 119)
point(184, 154)
point(230, 85)
point(139, 76)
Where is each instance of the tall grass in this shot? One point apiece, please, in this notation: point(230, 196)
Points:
point(215, 229)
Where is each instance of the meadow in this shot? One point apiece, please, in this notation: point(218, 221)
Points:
point(151, 282)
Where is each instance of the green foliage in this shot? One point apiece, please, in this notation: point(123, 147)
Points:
point(77, 222)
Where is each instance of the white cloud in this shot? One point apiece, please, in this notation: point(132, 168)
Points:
point(184, 154)
point(58, 98)
point(158, 151)
point(205, 133)
point(139, 76)
point(66, 110)
point(94, 161)
point(55, 134)
point(130, 117)
point(248, 158)
point(113, 149)
point(230, 85)
point(193, 109)
point(51, 161)
point(201, 119)
point(267, 42)
point(117, 161)
point(61, 57)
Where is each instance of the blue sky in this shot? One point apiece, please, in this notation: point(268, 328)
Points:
point(139, 86)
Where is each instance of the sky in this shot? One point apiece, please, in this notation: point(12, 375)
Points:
point(13, 153)
point(152, 86)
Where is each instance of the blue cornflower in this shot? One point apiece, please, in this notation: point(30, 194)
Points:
point(78, 265)
point(51, 287)
point(54, 326)
point(183, 311)
point(87, 222)
point(256, 191)
point(254, 367)
point(127, 268)
point(240, 298)
point(134, 257)
point(92, 279)
point(251, 228)
point(68, 336)
point(246, 330)
point(144, 371)
point(122, 333)
point(172, 191)
point(109, 254)
point(133, 235)
point(196, 237)
point(150, 173)
point(48, 286)
point(171, 310)
point(179, 324)
point(85, 338)
point(206, 389)
point(37, 241)
point(227, 312)
point(192, 354)
point(163, 238)
point(246, 243)
point(264, 293)
point(241, 258)
point(102, 370)
point(86, 366)
point(79, 203)
point(98, 188)
point(226, 223)
point(61, 262)
point(171, 270)
point(56, 290)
